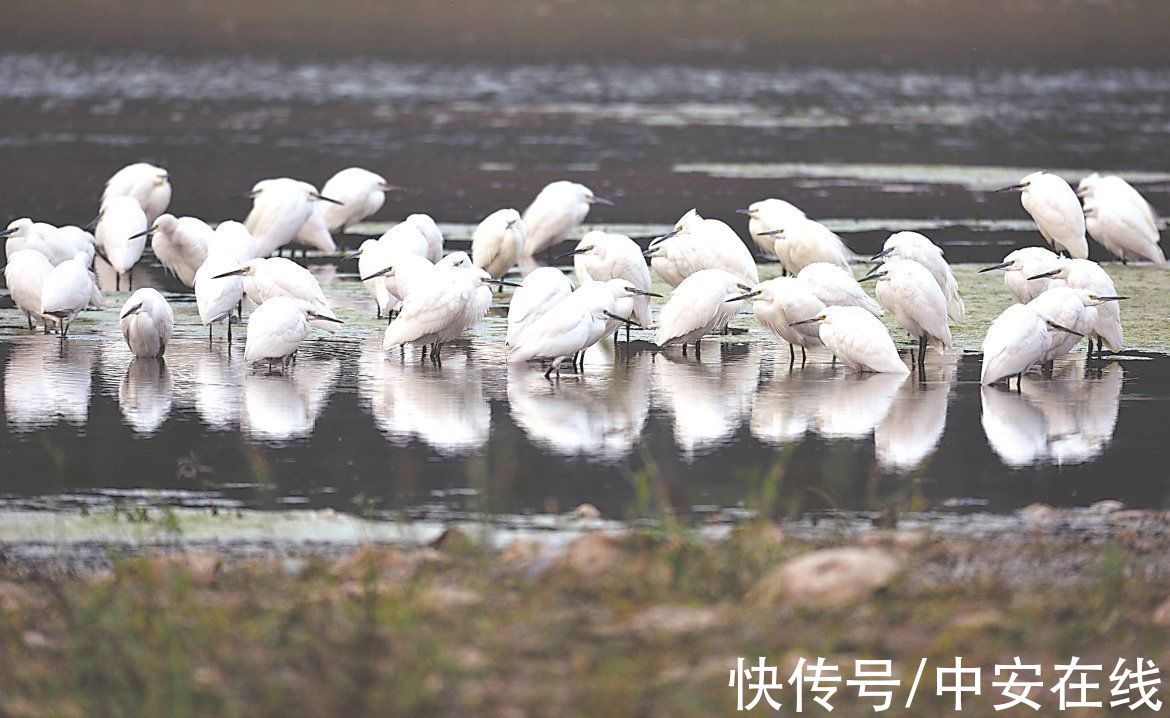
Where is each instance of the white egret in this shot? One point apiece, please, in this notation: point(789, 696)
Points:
point(440, 310)
point(859, 339)
point(541, 290)
point(314, 233)
point(1117, 189)
point(67, 290)
point(121, 232)
point(625, 297)
point(378, 254)
point(574, 324)
point(919, 248)
point(1018, 339)
point(1089, 276)
point(430, 231)
point(180, 245)
point(25, 274)
point(704, 301)
point(1072, 308)
point(147, 322)
point(766, 216)
point(696, 244)
point(601, 256)
point(801, 241)
point(836, 287)
point(910, 293)
point(1056, 210)
point(782, 302)
point(1021, 264)
point(230, 246)
point(277, 328)
point(1122, 228)
point(498, 242)
point(56, 243)
point(557, 210)
point(402, 274)
point(361, 193)
point(280, 208)
point(266, 278)
point(150, 186)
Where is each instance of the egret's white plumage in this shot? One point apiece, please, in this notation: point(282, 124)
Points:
point(277, 327)
point(147, 322)
point(574, 324)
point(781, 302)
point(67, 290)
point(1116, 189)
point(25, 274)
point(767, 216)
point(557, 210)
point(374, 256)
point(859, 339)
point(1021, 264)
point(910, 293)
point(1062, 306)
point(57, 244)
point(180, 245)
point(1121, 227)
point(216, 296)
point(698, 305)
point(696, 244)
point(541, 290)
point(919, 248)
point(280, 208)
point(836, 287)
point(1016, 340)
point(498, 242)
point(1056, 210)
point(314, 233)
point(801, 241)
point(601, 256)
point(121, 232)
point(1089, 276)
point(361, 193)
point(266, 278)
point(439, 310)
point(148, 185)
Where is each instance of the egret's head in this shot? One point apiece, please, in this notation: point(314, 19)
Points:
point(165, 223)
point(753, 210)
point(624, 290)
point(745, 292)
point(1096, 300)
point(247, 269)
point(455, 260)
point(1088, 185)
point(591, 198)
point(161, 178)
point(131, 310)
point(1023, 184)
point(17, 228)
point(878, 273)
point(811, 320)
point(1009, 264)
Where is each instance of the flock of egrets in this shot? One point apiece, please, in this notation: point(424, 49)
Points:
point(431, 298)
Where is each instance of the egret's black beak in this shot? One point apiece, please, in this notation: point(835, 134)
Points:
point(323, 198)
point(92, 223)
point(352, 255)
point(643, 292)
point(623, 320)
point(750, 295)
point(250, 195)
point(806, 321)
point(143, 233)
point(1013, 188)
point(570, 253)
point(771, 233)
point(391, 188)
point(872, 275)
point(747, 212)
point(992, 268)
point(7, 232)
point(1045, 275)
point(132, 310)
point(233, 273)
point(1112, 299)
point(883, 253)
point(322, 317)
point(663, 238)
point(1056, 326)
point(379, 273)
point(502, 282)
point(601, 200)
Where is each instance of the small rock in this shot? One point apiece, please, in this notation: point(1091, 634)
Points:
point(595, 554)
point(1107, 506)
point(586, 511)
point(1039, 514)
point(452, 541)
point(674, 620)
point(1162, 614)
point(446, 598)
point(828, 578)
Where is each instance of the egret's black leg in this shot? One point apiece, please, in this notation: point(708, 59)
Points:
point(803, 356)
point(922, 353)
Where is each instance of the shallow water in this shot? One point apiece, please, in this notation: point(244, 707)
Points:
point(868, 151)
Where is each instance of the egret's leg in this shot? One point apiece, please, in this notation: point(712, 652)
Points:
point(240, 309)
point(229, 321)
point(803, 356)
point(548, 373)
point(922, 352)
point(1048, 369)
point(424, 352)
point(616, 332)
point(627, 334)
point(1100, 346)
point(834, 360)
point(698, 348)
point(684, 349)
point(117, 281)
point(1019, 383)
point(378, 307)
point(29, 318)
point(209, 326)
point(130, 280)
point(792, 355)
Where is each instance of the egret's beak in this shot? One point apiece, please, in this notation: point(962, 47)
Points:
point(1056, 326)
point(747, 212)
point(511, 224)
point(379, 273)
point(502, 282)
point(132, 310)
point(323, 198)
point(6, 232)
point(883, 253)
point(390, 187)
point(750, 295)
point(643, 292)
point(93, 223)
point(771, 233)
point(873, 275)
point(623, 320)
point(144, 233)
point(251, 194)
point(601, 200)
point(1013, 188)
point(233, 273)
point(663, 238)
point(322, 317)
point(992, 268)
point(578, 250)
point(649, 253)
point(1111, 299)
point(352, 255)
point(808, 321)
point(1045, 275)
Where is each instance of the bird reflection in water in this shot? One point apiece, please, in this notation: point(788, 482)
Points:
point(599, 416)
point(914, 424)
point(46, 382)
point(145, 394)
point(442, 406)
point(282, 408)
point(1067, 419)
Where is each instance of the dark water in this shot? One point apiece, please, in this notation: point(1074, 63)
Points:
point(869, 151)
